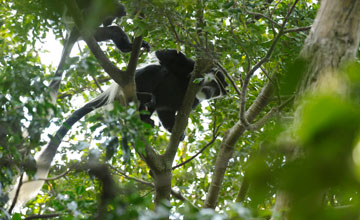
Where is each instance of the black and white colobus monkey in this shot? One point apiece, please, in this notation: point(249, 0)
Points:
point(160, 87)
point(114, 10)
point(167, 84)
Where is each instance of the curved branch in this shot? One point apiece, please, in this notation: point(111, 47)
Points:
point(197, 154)
point(229, 78)
point(50, 179)
point(16, 193)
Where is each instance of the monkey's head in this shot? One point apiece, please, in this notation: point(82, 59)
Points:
point(213, 85)
point(176, 62)
point(120, 10)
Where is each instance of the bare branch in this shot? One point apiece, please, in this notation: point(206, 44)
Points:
point(183, 114)
point(173, 29)
point(215, 135)
point(50, 179)
point(97, 83)
point(122, 173)
point(16, 193)
point(275, 82)
point(229, 78)
point(229, 141)
point(198, 153)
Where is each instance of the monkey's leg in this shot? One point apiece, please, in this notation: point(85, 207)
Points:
point(167, 118)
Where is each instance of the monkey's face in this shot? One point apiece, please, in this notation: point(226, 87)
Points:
point(213, 86)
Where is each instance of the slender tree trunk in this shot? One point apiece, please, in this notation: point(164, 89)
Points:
point(162, 182)
point(228, 144)
point(333, 40)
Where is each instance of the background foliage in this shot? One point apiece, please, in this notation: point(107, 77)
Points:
point(239, 34)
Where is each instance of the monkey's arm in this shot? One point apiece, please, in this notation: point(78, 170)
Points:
point(118, 36)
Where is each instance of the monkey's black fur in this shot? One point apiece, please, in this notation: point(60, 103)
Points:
point(167, 84)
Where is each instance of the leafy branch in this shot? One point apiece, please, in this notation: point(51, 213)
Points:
point(257, 66)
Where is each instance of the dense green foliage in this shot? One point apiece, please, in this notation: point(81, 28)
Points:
point(238, 37)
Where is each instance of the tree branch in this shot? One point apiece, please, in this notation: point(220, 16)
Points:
point(67, 94)
point(50, 179)
point(16, 193)
point(261, 122)
point(229, 78)
point(122, 173)
point(229, 141)
point(184, 112)
point(198, 153)
point(173, 29)
point(54, 215)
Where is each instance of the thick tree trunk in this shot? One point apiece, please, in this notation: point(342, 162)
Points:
point(333, 41)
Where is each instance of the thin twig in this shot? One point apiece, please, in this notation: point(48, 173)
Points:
point(49, 179)
point(241, 45)
point(215, 135)
point(67, 94)
point(122, 173)
point(173, 29)
point(272, 81)
point(97, 83)
point(16, 193)
point(272, 25)
point(229, 78)
point(191, 158)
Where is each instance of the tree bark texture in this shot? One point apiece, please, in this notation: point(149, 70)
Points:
point(332, 41)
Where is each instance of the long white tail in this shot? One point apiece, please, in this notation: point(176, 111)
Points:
point(29, 190)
